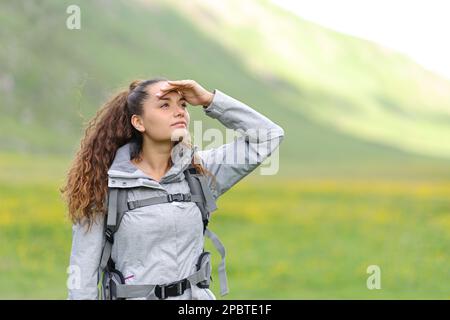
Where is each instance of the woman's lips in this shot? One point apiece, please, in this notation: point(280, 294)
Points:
point(179, 125)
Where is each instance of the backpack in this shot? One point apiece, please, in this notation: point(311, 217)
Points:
point(112, 284)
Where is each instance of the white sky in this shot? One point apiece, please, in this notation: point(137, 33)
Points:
point(418, 28)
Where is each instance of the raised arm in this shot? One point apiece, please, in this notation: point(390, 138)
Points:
point(233, 161)
point(260, 136)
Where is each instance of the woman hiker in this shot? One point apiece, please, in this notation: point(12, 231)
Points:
point(139, 142)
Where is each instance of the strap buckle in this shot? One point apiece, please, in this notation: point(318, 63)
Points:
point(109, 235)
point(176, 284)
point(131, 205)
point(179, 197)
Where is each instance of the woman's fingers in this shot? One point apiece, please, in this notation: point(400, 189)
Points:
point(175, 85)
point(180, 82)
point(164, 92)
point(167, 88)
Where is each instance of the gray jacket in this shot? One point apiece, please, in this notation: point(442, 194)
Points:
point(161, 243)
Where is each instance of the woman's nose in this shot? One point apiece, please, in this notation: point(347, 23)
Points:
point(180, 110)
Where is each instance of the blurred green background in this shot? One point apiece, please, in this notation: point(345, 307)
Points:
point(364, 173)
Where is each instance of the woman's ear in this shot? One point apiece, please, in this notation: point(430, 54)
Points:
point(136, 122)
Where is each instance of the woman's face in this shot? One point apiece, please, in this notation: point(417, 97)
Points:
point(160, 114)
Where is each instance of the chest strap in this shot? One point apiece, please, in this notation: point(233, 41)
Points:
point(182, 197)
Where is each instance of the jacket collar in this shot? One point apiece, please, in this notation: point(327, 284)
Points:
point(124, 170)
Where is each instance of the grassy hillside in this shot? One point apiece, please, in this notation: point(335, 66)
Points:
point(350, 84)
point(53, 79)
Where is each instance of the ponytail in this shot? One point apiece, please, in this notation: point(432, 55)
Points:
point(86, 185)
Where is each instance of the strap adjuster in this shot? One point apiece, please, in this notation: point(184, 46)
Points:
point(178, 197)
point(131, 205)
point(109, 235)
point(163, 292)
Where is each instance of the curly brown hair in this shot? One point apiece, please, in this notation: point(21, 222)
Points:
point(86, 187)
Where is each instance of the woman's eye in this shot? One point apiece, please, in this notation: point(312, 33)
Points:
point(166, 105)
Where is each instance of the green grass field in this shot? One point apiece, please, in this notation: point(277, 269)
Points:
point(286, 239)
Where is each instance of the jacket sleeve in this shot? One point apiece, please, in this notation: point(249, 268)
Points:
point(85, 260)
point(233, 161)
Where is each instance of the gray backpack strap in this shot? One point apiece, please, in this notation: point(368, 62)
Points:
point(117, 206)
point(183, 197)
point(222, 272)
point(124, 291)
point(195, 188)
point(198, 185)
point(199, 188)
point(210, 203)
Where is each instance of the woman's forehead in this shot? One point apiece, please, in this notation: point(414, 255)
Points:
point(155, 87)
